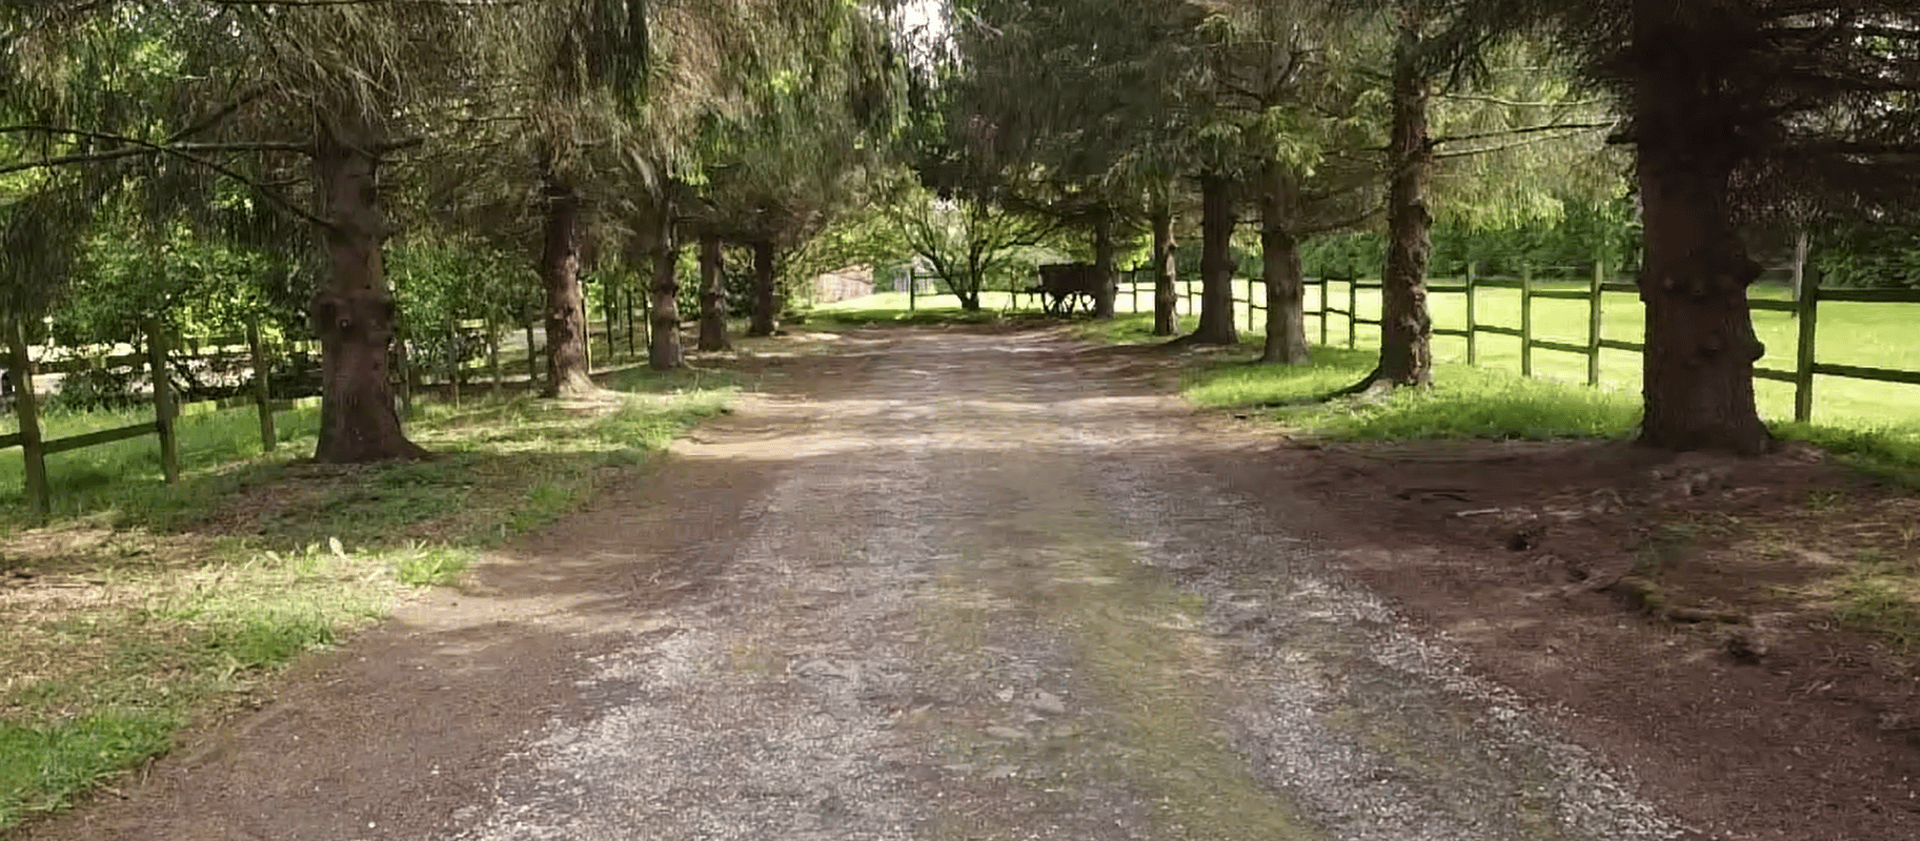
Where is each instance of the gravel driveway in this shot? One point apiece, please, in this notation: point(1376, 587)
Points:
point(939, 585)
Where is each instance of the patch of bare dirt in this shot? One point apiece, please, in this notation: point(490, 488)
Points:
point(1680, 610)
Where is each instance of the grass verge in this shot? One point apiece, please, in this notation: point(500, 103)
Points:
point(145, 607)
point(1875, 589)
point(1468, 402)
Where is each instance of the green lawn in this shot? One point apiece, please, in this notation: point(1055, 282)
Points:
point(1875, 424)
point(144, 605)
point(1877, 335)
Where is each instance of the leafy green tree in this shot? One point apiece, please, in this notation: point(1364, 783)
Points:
point(816, 142)
point(864, 238)
point(967, 241)
point(559, 101)
point(1292, 116)
point(1058, 110)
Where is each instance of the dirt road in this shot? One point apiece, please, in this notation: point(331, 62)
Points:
point(939, 585)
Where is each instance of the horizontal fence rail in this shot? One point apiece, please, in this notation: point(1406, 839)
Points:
point(1806, 310)
point(157, 359)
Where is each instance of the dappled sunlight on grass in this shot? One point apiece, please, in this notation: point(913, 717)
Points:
point(144, 604)
point(1873, 425)
point(1468, 403)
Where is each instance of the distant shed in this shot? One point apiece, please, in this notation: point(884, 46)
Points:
point(843, 285)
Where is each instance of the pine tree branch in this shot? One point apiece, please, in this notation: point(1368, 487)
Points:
point(217, 116)
point(140, 150)
point(1528, 141)
point(1515, 103)
point(189, 152)
point(480, 4)
point(152, 147)
point(1576, 127)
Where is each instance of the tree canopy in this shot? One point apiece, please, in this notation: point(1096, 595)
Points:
point(200, 159)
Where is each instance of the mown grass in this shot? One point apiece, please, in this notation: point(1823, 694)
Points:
point(145, 606)
point(1874, 335)
point(890, 309)
point(1467, 403)
point(1491, 401)
point(1875, 592)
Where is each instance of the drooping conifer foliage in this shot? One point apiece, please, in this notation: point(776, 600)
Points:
point(1740, 112)
point(308, 140)
point(554, 127)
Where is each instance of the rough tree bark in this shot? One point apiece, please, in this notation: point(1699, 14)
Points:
point(1698, 366)
point(1280, 268)
point(1166, 317)
point(663, 339)
point(353, 310)
point(969, 293)
point(1106, 283)
point(1217, 220)
point(1406, 327)
point(567, 372)
point(713, 295)
point(765, 291)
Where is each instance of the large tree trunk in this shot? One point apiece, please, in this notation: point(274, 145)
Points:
point(1406, 328)
point(1166, 317)
point(1280, 268)
point(1700, 342)
point(1106, 284)
point(663, 339)
point(1216, 325)
point(969, 293)
point(567, 372)
point(713, 295)
point(766, 288)
point(353, 311)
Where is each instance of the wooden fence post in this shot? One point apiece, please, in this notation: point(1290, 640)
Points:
point(453, 360)
point(1473, 344)
point(606, 308)
point(1323, 310)
point(1526, 320)
point(630, 346)
point(262, 391)
point(586, 335)
point(1807, 313)
point(163, 409)
point(646, 317)
point(533, 367)
point(1593, 322)
point(1800, 247)
point(1353, 309)
point(493, 357)
point(913, 290)
point(406, 372)
point(39, 498)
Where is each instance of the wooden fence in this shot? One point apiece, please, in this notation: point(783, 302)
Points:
point(1806, 312)
point(447, 376)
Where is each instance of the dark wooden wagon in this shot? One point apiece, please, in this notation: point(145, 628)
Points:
point(1064, 287)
